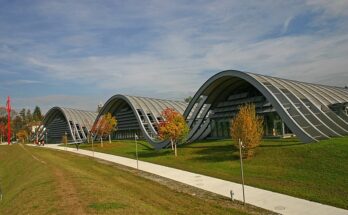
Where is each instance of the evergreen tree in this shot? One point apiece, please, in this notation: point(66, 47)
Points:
point(37, 116)
point(17, 124)
point(22, 113)
point(188, 99)
point(29, 116)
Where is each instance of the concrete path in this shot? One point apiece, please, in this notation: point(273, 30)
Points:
point(272, 201)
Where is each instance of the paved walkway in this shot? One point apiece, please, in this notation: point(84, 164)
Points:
point(272, 201)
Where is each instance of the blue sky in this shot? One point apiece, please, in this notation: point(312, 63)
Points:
point(79, 53)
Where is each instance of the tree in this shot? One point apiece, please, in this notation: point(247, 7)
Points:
point(37, 116)
point(188, 99)
point(22, 135)
point(247, 127)
point(104, 126)
point(99, 107)
point(17, 124)
point(173, 128)
point(2, 131)
point(29, 116)
point(65, 139)
point(22, 114)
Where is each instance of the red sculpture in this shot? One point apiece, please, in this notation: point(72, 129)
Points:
point(8, 108)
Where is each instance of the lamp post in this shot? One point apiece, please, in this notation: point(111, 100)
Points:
point(136, 149)
point(65, 140)
point(92, 143)
point(241, 167)
point(46, 135)
point(8, 108)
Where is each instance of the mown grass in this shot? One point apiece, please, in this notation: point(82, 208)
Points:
point(315, 171)
point(44, 181)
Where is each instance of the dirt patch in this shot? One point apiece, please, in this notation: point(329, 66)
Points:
point(69, 199)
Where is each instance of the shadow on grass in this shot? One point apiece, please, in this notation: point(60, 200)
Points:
point(150, 152)
point(216, 153)
point(284, 144)
point(146, 146)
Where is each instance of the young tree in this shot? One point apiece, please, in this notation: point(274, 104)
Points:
point(65, 139)
point(173, 128)
point(104, 126)
point(247, 127)
point(22, 135)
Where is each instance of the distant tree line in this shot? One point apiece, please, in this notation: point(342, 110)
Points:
point(21, 122)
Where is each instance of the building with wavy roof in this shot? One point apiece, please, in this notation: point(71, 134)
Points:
point(139, 115)
point(310, 111)
point(58, 121)
point(290, 108)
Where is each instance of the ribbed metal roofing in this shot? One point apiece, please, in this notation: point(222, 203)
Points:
point(304, 107)
point(75, 119)
point(147, 112)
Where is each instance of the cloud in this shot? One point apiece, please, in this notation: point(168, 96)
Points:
point(286, 24)
point(47, 102)
point(331, 8)
point(22, 81)
point(169, 49)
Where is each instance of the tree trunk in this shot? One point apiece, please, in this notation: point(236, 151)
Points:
point(171, 142)
point(109, 138)
point(101, 141)
point(176, 151)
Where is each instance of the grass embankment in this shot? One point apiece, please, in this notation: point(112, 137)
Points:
point(316, 171)
point(45, 181)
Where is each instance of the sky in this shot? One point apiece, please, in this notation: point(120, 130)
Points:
point(79, 53)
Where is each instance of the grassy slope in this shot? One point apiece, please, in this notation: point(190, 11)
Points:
point(43, 181)
point(317, 171)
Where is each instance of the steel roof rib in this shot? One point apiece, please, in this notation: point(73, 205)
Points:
point(315, 105)
point(308, 113)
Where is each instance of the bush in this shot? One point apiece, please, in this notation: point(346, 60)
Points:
point(248, 127)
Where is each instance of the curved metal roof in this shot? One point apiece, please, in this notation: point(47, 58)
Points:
point(302, 106)
point(143, 108)
point(75, 119)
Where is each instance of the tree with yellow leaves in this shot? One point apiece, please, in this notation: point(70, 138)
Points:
point(247, 127)
point(104, 126)
point(173, 128)
point(22, 135)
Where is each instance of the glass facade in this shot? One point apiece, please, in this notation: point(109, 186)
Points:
point(273, 126)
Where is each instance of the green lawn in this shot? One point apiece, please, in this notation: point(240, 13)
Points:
point(44, 181)
point(316, 171)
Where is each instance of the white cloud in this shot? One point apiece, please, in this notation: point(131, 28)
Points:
point(182, 44)
point(46, 102)
point(22, 81)
point(332, 8)
point(286, 24)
